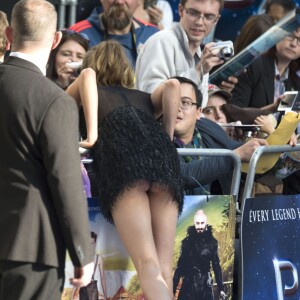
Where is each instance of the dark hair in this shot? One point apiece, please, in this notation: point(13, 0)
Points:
point(93, 235)
point(294, 69)
point(294, 66)
point(221, 2)
point(67, 35)
point(198, 93)
point(254, 27)
point(288, 5)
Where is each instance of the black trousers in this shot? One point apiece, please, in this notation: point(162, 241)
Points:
point(27, 281)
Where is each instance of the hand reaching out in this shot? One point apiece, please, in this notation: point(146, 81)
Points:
point(245, 152)
point(294, 140)
point(267, 122)
point(273, 107)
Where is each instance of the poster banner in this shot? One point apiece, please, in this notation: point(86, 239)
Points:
point(270, 248)
point(204, 248)
point(266, 41)
point(115, 273)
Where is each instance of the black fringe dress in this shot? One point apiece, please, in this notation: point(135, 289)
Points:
point(132, 146)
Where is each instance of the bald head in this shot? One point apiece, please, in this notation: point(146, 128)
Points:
point(200, 221)
point(33, 22)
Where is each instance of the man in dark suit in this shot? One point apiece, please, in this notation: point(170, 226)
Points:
point(43, 211)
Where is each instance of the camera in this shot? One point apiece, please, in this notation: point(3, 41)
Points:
point(223, 49)
point(76, 66)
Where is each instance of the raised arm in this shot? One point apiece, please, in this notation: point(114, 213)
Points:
point(84, 91)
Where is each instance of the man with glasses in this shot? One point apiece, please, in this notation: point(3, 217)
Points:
point(177, 52)
point(114, 20)
point(191, 131)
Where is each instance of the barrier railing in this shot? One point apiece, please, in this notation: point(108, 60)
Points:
point(253, 163)
point(236, 177)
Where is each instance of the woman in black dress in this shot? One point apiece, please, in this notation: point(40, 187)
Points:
point(137, 167)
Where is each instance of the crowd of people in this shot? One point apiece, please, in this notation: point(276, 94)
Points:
point(129, 87)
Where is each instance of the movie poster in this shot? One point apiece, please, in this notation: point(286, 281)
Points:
point(270, 248)
point(115, 273)
point(204, 248)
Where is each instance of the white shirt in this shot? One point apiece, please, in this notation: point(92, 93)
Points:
point(33, 59)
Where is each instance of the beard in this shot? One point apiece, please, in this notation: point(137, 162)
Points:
point(117, 17)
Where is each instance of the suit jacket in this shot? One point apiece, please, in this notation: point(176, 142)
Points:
point(255, 88)
point(43, 210)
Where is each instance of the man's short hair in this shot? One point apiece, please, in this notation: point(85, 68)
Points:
point(221, 2)
point(3, 25)
point(33, 21)
point(198, 93)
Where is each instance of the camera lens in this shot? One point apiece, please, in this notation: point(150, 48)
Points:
point(226, 52)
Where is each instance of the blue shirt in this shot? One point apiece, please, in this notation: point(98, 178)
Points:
point(132, 41)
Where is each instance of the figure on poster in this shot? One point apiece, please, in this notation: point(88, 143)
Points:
point(199, 250)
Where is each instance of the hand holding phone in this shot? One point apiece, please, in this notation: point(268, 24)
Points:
point(287, 103)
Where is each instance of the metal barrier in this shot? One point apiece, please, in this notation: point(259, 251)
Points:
point(236, 177)
point(253, 162)
point(67, 8)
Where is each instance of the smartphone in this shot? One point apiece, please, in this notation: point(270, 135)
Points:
point(287, 103)
point(148, 3)
point(296, 106)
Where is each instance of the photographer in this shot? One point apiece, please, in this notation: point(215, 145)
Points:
point(177, 52)
point(65, 60)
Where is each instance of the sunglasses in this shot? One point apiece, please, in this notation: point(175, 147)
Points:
point(72, 32)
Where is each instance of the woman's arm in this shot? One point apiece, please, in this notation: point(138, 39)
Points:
point(84, 91)
point(166, 100)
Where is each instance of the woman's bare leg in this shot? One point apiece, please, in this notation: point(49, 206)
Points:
point(166, 100)
point(132, 218)
point(164, 214)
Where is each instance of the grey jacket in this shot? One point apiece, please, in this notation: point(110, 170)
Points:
point(164, 55)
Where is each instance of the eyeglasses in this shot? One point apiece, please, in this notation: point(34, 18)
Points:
point(73, 32)
point(291, 38)
point(196, 15)
point(186, 104)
